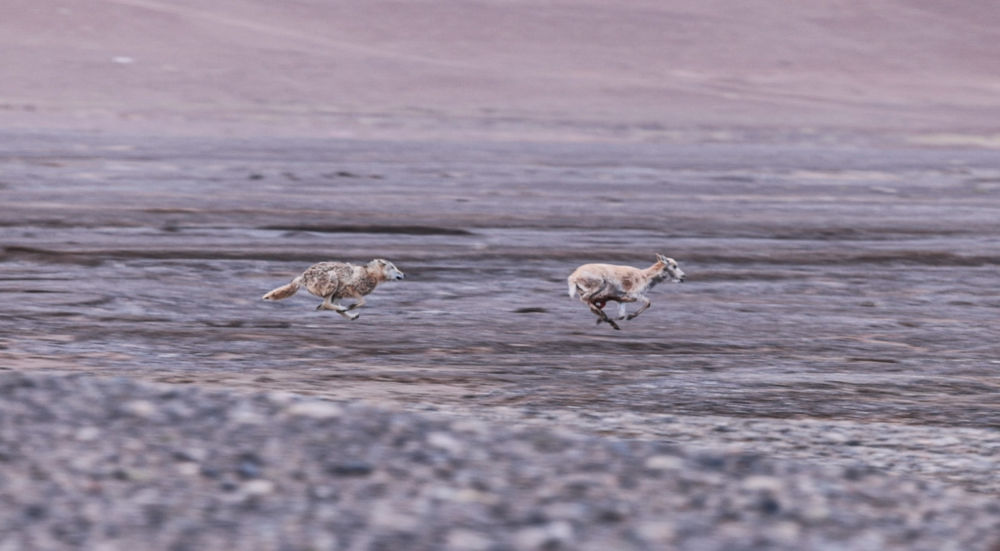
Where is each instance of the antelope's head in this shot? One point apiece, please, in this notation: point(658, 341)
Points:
point(670, 268)
point(388, 270)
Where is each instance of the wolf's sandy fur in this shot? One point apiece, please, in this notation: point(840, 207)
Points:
point(333, 281)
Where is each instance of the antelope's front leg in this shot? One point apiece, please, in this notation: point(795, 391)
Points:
point(602, 316)
point(646, 304)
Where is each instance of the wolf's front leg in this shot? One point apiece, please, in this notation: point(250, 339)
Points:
point(329, 304)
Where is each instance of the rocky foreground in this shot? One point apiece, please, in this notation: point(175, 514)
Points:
point(109, 463)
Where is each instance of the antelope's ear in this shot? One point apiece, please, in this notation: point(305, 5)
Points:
point(661, 258)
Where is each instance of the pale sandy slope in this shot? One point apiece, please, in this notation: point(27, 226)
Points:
point(503, 68)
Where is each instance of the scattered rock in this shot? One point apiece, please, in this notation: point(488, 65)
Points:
point(315, 409)
point(85, 469)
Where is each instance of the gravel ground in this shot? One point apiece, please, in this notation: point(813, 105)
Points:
point(966, 457)
point(111, 463)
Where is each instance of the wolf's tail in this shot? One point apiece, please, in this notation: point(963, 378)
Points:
point(284, 291)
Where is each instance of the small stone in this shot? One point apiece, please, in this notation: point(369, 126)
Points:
point(87, 434)
point(549, 535)
point(664, 463)
point(139, 408)
point(787, 532)
point(35, 511)
point(322, 492)
point(656, 531)
point(764, 483)
point(565, 510)
point(192, 454)
point(467, 540)
point(188, 468)
point(387, 516)
point(350, 468)
point(815, 512)
point(835, 436)
point(469, 495)
point(445, 441)
point(258, 487)
point(769, 505)
point(315, 410)
point(249, 466)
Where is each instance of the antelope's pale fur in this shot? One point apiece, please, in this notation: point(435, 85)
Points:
point(333, 281)
point(598, 284)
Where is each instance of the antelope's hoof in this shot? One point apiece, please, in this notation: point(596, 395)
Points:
point(320, 307)
point(615, 325)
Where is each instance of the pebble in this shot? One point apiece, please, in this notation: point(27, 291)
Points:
point(393, 480)
point(656, 531)
point(467, 540)
point(139, 408)
point(445, 442)
point(258, 487)
point(664, 463)
point(88, 434)
point(544, 537)
point(315, 410)
point(762, 483)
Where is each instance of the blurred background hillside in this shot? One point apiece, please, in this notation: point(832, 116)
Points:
point(565, 70)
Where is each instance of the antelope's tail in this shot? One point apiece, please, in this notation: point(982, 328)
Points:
point(284, 291)
point(572, 289)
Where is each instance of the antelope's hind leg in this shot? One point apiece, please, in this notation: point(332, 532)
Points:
point(601, 316)
point(588, 295)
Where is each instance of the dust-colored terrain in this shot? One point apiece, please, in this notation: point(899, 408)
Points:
point(840, 304)
point(827, 178)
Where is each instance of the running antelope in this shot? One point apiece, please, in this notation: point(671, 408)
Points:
point(333, 281)
point(598, 284)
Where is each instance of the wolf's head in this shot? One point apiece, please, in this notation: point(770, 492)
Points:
point(388, 270)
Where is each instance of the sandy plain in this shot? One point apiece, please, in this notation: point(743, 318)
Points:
point(829, 182)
